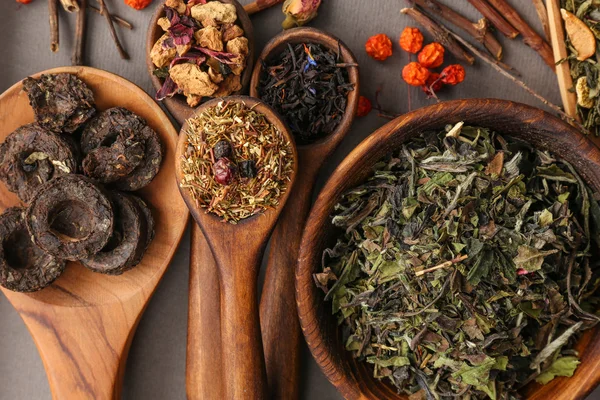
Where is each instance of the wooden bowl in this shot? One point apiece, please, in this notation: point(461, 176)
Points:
point(177, 105)
point(84, 322)
point(311, 35)
point(354, 379)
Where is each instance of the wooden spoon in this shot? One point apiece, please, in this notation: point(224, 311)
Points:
point(238, 252)
point(84, 323)
point(559, 47)
point(278, 316)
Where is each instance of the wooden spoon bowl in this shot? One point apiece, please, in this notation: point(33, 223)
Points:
point(279, 321)
point(237, 249)
point(83, 324)
point(177, 104)
point(355, 379)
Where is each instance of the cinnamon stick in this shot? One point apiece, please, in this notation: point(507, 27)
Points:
point(530, 37)
point(440, 35)
point(123, 22)
point(104, 11)
point(495, 18)
point(540, 8)
point(519, 82)
point(479, 31)
point(259, 5)
point(53, 16)
point(70, 5)
point(77, 58)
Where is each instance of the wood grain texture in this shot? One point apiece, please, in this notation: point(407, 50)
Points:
point(204, 368)
point(177, 105)
point(238, 251)
point(563, 72)
point(354, 379)
point(279, 322)
point(83, 324)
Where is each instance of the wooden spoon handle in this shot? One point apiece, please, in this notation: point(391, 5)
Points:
point(278, 316)
point(84, 349)
point(204, 359)
point(559, 47)
point(243, 358)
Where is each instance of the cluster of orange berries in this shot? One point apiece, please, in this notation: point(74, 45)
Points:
point(429, 57)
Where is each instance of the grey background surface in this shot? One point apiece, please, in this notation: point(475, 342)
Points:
point(156, 366)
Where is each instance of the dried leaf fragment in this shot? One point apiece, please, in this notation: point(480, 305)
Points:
point(581, 36)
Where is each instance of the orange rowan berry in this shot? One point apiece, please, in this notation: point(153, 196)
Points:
point(453, 74)
point(411, 39)
point(379, 46)
point(138, 4)
point(415, 74)
point(432, 55)
point(364, 106)
point(24, 1)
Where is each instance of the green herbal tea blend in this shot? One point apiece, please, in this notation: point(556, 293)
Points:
point(308, 85)
point(468, 267)
point(237, 163)
point(586, 72)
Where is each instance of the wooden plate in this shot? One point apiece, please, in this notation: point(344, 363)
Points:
point(85, 312)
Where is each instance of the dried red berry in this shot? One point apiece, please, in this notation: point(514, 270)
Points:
point(224, 171)
point(138, 4)
point(364, 106)
point(379, 46)
point(453, 74)
point(24, 1)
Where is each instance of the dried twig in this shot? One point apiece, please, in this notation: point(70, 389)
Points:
point(441, 36)
point(259, 5)
point(53, 15)
point(540, 8)
point(495, 18)
point(479, 30)
point(78, 49)
point(519, 82)
point(530, 37)
point(104, 11)
point(70, 5)
point(380, 112)
point(443, 265)
point(124, 23)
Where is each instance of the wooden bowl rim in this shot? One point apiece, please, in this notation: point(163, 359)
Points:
point(177, 104)
point(313, 35)
point(353, 384)
point(167, 132)
point(274, 119)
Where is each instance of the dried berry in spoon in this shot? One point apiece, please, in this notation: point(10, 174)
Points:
point(237, 163)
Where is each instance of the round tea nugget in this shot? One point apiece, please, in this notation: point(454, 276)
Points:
point(31, 156)
point(147, 225)
point(109, 164)
point(60, 102)
point(104, 129)
point(148, 168)
point(70, 217)
point(24, 267)
point(127, 240)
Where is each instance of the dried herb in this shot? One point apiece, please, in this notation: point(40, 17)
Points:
point(24, 267)
point(200, 39)
point(307, 87)
point(585, 72)
point(252, 138)
point(61, 102)
point(31, 156)
point(70, 217)
point(467, 267)
point(127, 242)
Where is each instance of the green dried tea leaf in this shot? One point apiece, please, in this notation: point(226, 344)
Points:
point(531, 259)
point(563, 366)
